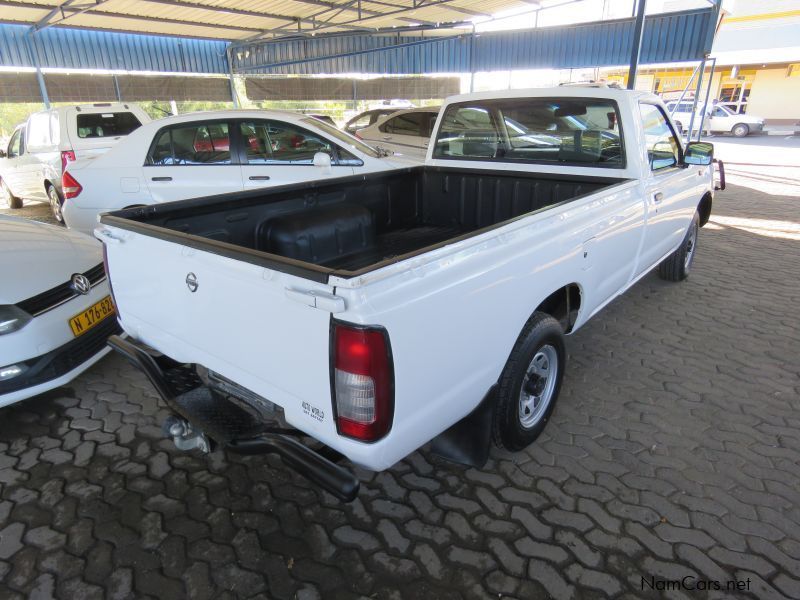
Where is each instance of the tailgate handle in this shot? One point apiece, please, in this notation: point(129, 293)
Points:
point(259, 177)
point(104, 235)
point(161, 178)
point(317, 299)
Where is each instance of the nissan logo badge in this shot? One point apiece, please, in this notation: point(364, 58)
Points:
point(191, 282)
point(80, 283)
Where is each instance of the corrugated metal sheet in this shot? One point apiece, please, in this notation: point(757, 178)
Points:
point(670, 37)
point(83, 49)
point(241, 19)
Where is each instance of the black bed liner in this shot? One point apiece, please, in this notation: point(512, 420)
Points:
point(349, 226)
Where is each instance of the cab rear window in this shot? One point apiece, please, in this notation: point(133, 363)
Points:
point(568, 131)
point(102, 125)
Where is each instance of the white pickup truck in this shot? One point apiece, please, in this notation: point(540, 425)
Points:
point(376, 313)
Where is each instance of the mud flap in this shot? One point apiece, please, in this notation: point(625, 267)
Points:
point(469, 440)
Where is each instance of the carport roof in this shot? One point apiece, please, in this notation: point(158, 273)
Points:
point(249, 19)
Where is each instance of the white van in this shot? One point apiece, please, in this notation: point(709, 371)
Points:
point(32, 164)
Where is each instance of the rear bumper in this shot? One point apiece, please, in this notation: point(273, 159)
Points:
point(229, 424)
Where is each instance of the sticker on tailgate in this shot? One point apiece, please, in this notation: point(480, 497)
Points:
point(313, 412)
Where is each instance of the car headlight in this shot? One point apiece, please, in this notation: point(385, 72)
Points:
point(12, 318)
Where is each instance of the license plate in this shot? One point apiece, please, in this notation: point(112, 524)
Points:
point(83, 322)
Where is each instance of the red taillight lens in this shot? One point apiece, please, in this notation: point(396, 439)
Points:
point(70, 186)
point(363, 382)
point(67, 156)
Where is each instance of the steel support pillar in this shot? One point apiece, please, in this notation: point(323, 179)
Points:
point(696, 98)
point(637, 44)
point(708, 93)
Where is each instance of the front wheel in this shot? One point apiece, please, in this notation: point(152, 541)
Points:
point(740, 130)
point(530, 383)
point(677, 265)
point(8, 198)
point(55, 203)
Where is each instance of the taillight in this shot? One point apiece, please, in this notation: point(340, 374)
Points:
point(363, 382)
point(67, 156)
point(70, 186)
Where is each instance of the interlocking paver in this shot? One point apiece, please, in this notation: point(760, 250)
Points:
point(674, 451)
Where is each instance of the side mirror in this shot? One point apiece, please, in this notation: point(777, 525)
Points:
point(698, 153)
point(321, 159)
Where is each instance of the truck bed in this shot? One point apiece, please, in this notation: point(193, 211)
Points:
point(351, 225)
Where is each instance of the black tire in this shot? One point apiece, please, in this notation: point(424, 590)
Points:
point(740, 130)
point(56, 202)
point(542, 335)
point(677, 265)
point(10, 199)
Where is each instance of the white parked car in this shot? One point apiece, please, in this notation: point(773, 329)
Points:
point(431, 303)
point(33, 162)
point(209, 153)
point(405, 132)
point(718, 119)
point(56, 310)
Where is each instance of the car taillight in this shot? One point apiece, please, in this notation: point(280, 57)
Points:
point(70, 186)
point(363, 382)
point(67, 156)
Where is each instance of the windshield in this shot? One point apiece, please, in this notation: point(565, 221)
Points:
point(580, 131)
point(344, 138)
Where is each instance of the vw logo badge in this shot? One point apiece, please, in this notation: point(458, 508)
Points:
point(191, 282)
point(80, 283)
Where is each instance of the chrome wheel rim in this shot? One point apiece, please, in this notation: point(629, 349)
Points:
point(55, 203)
point(538, 386)
point(691, 245)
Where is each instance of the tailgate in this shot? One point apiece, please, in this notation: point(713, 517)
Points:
point(244, 321)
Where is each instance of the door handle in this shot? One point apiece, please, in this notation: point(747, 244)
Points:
point(258, 177)
point(161, 178)
point(658, 197)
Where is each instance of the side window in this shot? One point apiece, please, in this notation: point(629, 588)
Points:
point(718, 112)
point(407, 124)
point(289, 144)
point(663, 150)
point(196, 144)
point(39, 130)
point(363, 121)
point(14, 144)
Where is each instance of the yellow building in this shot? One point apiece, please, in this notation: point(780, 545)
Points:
point(757, 51)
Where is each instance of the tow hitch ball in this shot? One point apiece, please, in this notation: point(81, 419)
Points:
point(184, 436)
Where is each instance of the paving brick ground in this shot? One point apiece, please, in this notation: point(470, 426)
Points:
point(675, 451)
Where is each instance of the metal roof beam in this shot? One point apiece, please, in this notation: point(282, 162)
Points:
point(236, 11)
point(74, 10)
point(348, 7)
point(61, 9)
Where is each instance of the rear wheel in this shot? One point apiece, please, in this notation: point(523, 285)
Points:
point(740, 130)
point(55, 203)
point(530, 383)
point(677, 265)
point(8, 199)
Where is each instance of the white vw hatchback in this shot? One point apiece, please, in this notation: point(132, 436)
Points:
point(56, 310)
point(208, 153)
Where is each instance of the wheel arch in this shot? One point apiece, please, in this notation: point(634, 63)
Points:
point(564, 305)
point(704, 208)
